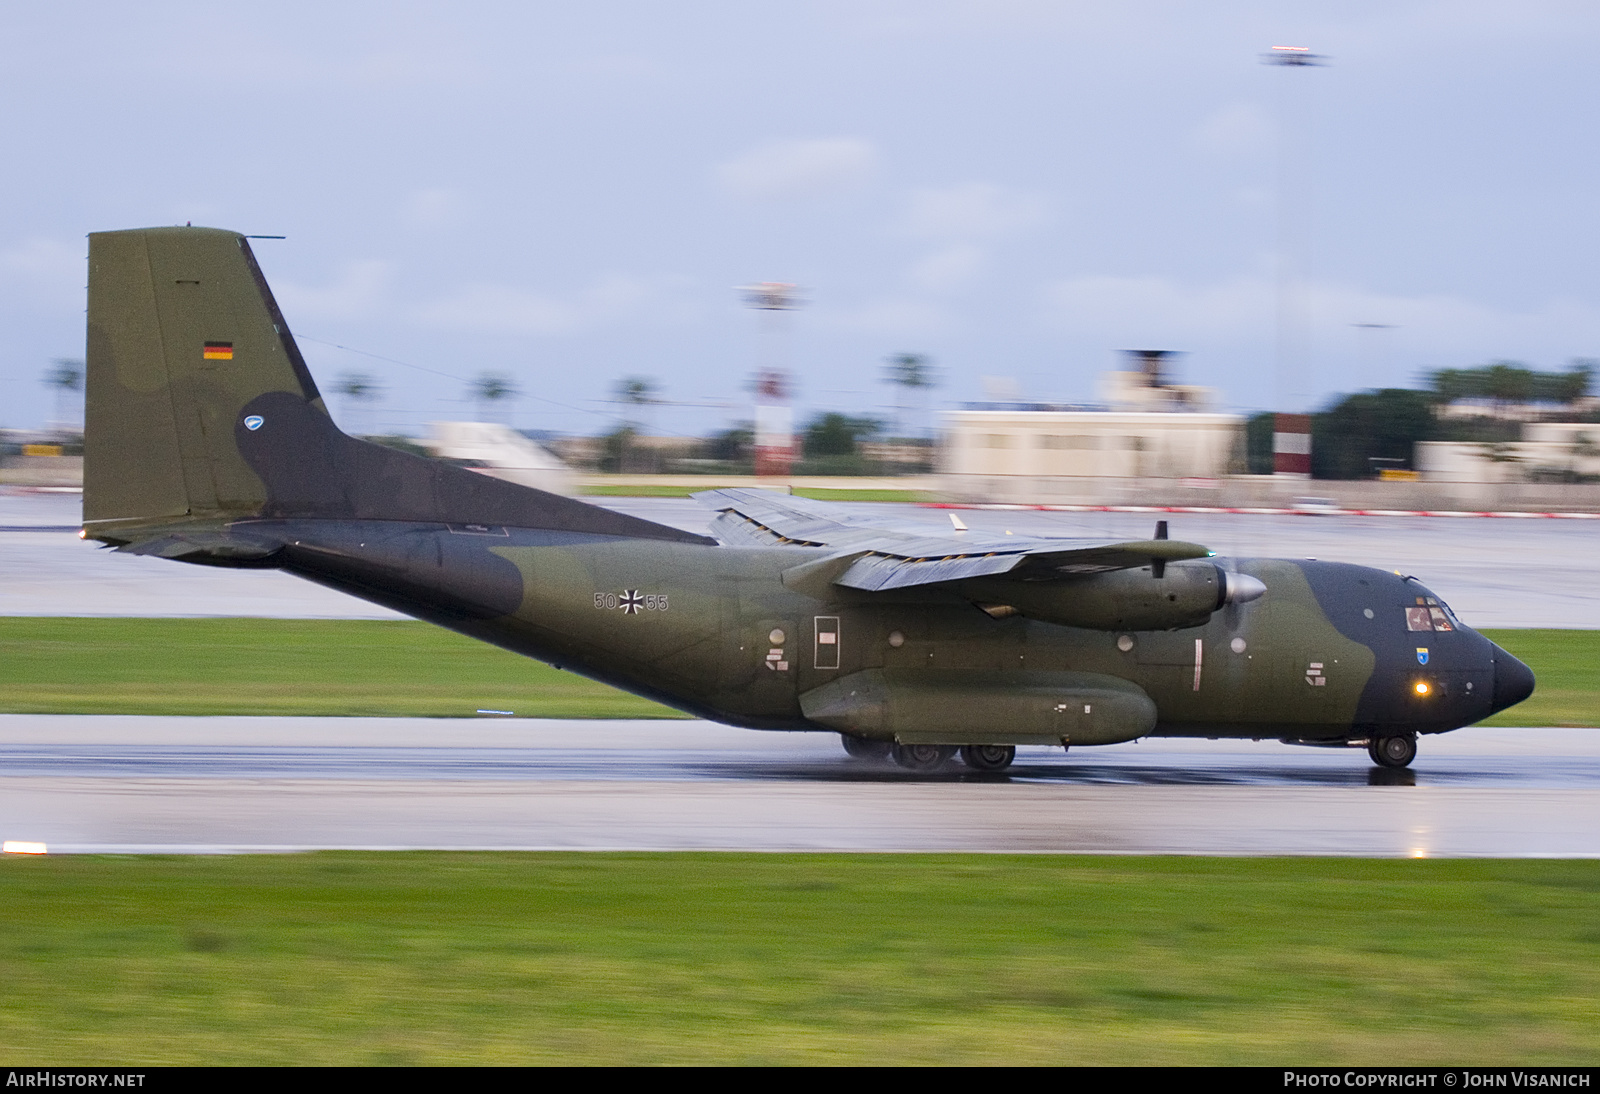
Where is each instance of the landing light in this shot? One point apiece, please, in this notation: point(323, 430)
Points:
point(1421, 687)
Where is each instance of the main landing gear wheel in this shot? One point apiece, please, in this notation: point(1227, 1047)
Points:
point(863, 748)
point(1392, 751)
point(988, 757)
point(922, 757)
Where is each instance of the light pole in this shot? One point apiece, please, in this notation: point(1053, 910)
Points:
point(774, 416)
point(1291, 435)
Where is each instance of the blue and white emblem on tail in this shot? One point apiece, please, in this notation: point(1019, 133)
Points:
point(1422, 655)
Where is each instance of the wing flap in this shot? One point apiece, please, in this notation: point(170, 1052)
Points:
point(886, 558)
point(875, 573)
point(878, 572)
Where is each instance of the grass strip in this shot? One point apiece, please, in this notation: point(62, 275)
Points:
point(512, 958)
point(284, 666)
point(372, 667)
point(1567, 667)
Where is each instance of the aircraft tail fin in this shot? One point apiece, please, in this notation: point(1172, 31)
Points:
point(183, 333)
point(201, 409)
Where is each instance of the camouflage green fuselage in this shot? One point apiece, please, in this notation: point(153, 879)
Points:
point(207, 441)
point(713, 630)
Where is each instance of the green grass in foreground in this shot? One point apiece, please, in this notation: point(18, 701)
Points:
point(656, 490)
point(434, 957)
point(285, 666)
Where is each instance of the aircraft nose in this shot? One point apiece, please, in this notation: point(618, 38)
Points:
point(1513, 681)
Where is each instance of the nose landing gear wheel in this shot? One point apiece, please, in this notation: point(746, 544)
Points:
point(864, 749)
point(988, 757)
point(922, 757)
point(1392, 751)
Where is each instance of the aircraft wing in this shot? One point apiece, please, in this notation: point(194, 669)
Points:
point(887, 558)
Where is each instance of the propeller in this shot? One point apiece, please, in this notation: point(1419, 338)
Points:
point(1237, 591)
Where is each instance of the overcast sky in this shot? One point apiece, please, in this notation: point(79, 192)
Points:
point(569, 193)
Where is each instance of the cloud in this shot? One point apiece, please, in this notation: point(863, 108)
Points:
point(962, 221)
point(1238, 127)
point(800, 169)
point(360, 290)
point(971, 211)
point(515, 309)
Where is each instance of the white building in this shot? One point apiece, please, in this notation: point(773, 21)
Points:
point(1548, 451)
point(1090, 444)
point(1153, 430)
point(502, 453)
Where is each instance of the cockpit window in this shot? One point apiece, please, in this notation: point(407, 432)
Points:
point(1429, 614)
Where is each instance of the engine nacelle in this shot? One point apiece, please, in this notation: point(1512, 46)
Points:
point(1184, 595)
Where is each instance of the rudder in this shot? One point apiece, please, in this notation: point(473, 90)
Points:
point(182, 333)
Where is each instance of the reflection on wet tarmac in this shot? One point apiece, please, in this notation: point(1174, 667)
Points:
point(147, 784)
point(1149, 765)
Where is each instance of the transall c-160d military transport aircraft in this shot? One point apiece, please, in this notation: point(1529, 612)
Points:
point(206, 441)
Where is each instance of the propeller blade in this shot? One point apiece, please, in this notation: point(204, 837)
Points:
point(1158, 566)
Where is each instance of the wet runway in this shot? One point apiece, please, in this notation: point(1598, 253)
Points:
point(1494, 573)
point(146, 784)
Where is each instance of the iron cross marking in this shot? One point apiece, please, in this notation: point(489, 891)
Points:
point(632, 602)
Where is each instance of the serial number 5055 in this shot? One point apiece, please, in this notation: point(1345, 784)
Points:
point(631, 601)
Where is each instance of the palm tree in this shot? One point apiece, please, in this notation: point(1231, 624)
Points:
point(65, 374)
point(357, 388)
point(635, 392)
point(490, 388)
point(1508, 382)
point(914, 374)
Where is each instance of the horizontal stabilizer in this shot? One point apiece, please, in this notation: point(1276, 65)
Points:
point(225, 548)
